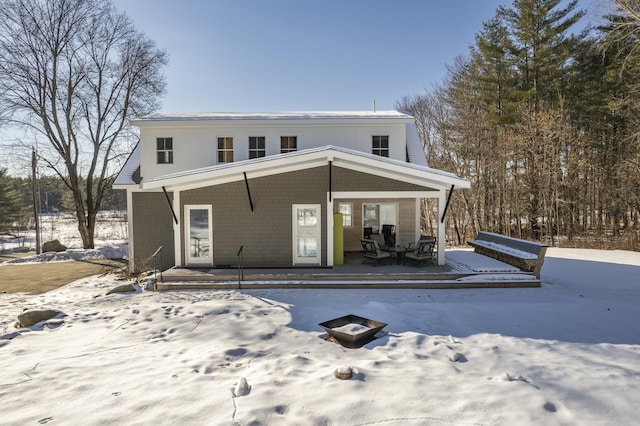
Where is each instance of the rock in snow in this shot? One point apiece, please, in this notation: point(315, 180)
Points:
point(124, 288)
point(53, 245)
point(31, 317)
point(344, 372)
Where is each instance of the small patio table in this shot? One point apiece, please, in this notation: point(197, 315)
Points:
point(396, 251)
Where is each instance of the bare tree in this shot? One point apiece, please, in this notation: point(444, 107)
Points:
point(74, 72)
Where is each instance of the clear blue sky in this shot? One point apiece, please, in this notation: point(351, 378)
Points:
point(287, 55)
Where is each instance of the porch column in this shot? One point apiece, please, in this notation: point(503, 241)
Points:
point(418, 230)
point(329, 231)
point(441, 226)
point(130, 229)
point(177, 246)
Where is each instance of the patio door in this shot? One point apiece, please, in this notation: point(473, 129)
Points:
point(307, 236)
point(198, 235)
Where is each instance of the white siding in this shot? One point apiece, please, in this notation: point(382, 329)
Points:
point(195, 143)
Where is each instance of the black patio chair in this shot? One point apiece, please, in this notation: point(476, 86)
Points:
point(423, 252)
point(389, 232)
point(372, 253)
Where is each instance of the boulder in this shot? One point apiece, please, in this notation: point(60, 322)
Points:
point(54, 245)
point(31, 317)
point(124, 288)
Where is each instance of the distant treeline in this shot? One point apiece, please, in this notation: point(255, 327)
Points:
point(16, 199)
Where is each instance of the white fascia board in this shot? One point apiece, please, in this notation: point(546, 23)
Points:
point(266, 166)
point(411, 175)
point(385, 194)
point(251, 123)
point(275, 119)
point(128, 186)
point(235, 172)
point(374, 162)
point(389, 174)
point(236, 176)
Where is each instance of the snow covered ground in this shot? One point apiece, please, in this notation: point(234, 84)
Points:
point(565, 353)
point(111, 229)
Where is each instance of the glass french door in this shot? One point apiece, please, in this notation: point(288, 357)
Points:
point(307, 237)
point(199, 235)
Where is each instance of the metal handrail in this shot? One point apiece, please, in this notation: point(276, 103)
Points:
point(240, 256)
point(155, 255)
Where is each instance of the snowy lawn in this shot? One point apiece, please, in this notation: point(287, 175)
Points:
point(565, 353)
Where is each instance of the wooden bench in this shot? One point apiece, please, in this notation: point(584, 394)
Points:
point(526, 255)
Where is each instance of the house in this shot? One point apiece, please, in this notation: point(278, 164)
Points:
point(289, 189)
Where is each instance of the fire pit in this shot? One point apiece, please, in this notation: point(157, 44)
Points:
point(352, 331)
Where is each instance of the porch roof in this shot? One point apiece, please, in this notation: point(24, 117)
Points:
point(316, 157)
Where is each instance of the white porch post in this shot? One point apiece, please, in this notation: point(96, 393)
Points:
point(418, 230)
point(329, 231)
point(441, 227)
point(130, 230)
point(177, 246)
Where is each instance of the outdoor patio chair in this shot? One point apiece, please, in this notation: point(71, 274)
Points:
point(414, 246)
point(367, 232)
point(372, 253)
point(389, 232)
point(421, 251)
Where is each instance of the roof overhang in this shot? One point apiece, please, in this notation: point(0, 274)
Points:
point(317, 157)
point(126, 177)
point(276, 118)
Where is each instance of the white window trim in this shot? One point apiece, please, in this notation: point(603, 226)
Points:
point(282, 150)
point(165, 151)
point(225, 150)
point(263, 150)
point(340, 203)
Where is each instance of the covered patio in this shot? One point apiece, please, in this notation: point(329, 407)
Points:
point(463, 269)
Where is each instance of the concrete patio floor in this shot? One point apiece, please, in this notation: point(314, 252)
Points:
point(353, 274)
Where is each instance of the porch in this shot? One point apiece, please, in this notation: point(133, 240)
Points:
point(463, 269)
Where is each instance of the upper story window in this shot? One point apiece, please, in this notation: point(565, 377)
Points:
point(257, 147)
point(164, 149)
point(380, 145)
point(225, 150)
point(288, 144)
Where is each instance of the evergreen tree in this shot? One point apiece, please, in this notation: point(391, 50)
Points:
point(9, 202)
point(541, 46)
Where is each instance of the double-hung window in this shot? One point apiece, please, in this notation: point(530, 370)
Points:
point(288, 144)
point(347, 214)
point(380, 145)
point(164, 150)
point(257, 147)
point(225, 150)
